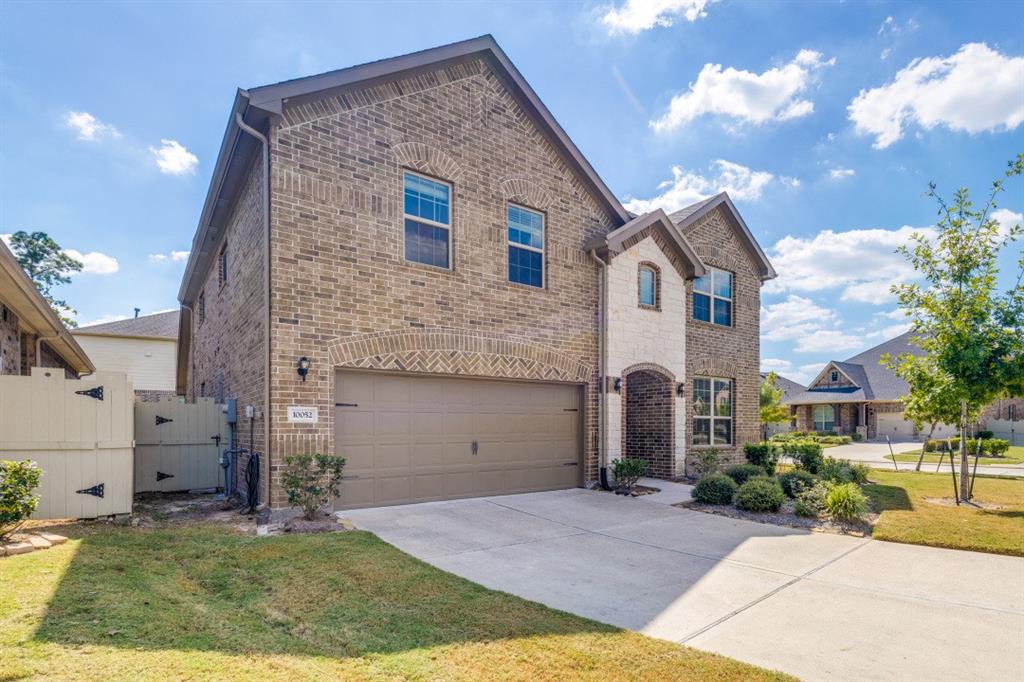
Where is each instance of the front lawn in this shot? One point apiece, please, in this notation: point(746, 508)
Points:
point(203, 602)
point(907, 516)
point(1015, 455)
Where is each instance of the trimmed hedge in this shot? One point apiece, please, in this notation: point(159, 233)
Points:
point(794, 479)
point(991, 447)
point(742, 472)
point(764, 455)
point(714, 489)
point(760, 494)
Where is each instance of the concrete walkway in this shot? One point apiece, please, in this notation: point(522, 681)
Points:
point(816, 605)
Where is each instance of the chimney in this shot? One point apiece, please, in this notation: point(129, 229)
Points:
point(137, 312)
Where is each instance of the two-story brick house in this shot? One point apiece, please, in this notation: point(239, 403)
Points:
point(415, 253)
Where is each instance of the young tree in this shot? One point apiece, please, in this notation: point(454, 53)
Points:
point(969, 331)
point(931, 399)
point(47, 266)
point(772, 409)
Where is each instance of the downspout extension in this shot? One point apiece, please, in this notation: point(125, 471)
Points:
point(602, 325)
point(265, 144)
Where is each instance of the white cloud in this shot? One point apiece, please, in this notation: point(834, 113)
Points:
point(635, 16)
point(864, 263)
point(103, 319)
point(175, 256)
point(840, 173)
point(775, 365)
point(828, 341)
point(977, 89)
point(94, 262)
point(688, 187)
point(794, 318)
point(89, 127)
point(1007, 219)
point(747, 96)
point(174, 159)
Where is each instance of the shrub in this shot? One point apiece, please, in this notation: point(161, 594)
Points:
point(856, 437)
point(714, 489)
point(18, 481)
point(741, 472)
point(760, 494)
point(985, 435)
point(764, 455)
point(628, 471)
point(706, 461)
point(807, 455)
point(796, 479)
point(996, 447)
point(834, 440)
point(846, 501)
point(810, 501)
point(312, 481)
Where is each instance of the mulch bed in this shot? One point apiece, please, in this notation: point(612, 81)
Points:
point(786, 517)
point(637, 491)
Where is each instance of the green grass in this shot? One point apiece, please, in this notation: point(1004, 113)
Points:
point(1015, 455)
point(203, 602)
point(905, 516)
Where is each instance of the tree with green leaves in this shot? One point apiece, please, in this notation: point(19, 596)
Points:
point(772, 409)
point(931, 400)
point(970, 332)
point(47, 266)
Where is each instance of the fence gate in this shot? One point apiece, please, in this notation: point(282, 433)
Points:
point(176, 445)
point(79, 432)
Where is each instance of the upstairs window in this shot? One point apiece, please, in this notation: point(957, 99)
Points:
point(712, 297)
point(712, 411)
point(648, 281)
point(525, 246)
point(833, 376)
point(427, 206)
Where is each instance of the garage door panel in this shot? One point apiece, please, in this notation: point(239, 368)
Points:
point(409, 438)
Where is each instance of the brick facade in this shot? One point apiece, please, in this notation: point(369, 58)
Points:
point(648, 421)
point(10, 342)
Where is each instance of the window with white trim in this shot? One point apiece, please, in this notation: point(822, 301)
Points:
point(712, 411)
point(648, 286)
point(525, 246)
point(824, 417)
point(427, 207)
point(712, 297)
point(833, 377)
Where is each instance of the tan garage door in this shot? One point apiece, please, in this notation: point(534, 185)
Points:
point(419, 438)
point(893, 424)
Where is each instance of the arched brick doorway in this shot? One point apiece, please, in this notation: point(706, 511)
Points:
point(648, 420)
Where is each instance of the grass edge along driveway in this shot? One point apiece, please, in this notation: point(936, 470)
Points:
point(203, 602)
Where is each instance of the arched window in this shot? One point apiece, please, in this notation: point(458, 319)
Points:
point(649, 285)
point(824, 417)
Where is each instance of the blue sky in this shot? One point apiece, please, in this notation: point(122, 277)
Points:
point(824, 120)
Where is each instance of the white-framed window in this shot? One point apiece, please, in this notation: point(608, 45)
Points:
point(428, 220)
point(525, 246)
point(712, 411)
point(647, 279)
point(824, 417)
point(833, 377)
point(712, 297)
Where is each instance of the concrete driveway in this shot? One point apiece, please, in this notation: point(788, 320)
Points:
point(816, 605)
point(874, 454)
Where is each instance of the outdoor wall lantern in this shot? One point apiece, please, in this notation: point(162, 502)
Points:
point(303, 367)
point(681, 389)
point(617, 385)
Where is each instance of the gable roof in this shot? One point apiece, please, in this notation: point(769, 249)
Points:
point(614, 243)
point(873, 380)
point(259, 106)
point(157, 326)
point(788, 386)
point(685, 217)
point(35, 314)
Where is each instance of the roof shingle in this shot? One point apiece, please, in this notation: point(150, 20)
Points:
point(158, 325)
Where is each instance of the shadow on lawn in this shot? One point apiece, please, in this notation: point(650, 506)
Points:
point(888, 497)
point(336, 595)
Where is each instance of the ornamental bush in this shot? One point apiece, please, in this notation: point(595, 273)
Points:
point(764, 455)
point(760, 494)
point(807, 455)
point(312, 481)
point(18, 481)
point(706, 461)
point(846, 502)
point(843, 471)
point(628, 471)
point(796, 479)
point(810, 501)
point(741, 472)
point(714, 489)
point(995, 447)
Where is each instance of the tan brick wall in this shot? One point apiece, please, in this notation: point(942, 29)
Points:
point(10, 342)
point(727, 352)
point(339, 270)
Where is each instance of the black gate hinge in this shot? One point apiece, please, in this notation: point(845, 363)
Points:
point(95, 491)
point(95, 392)
point(161, 476)
point(162, 420)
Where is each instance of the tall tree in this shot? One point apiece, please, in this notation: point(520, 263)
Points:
point(47, 266)
point(931, 400)
point(969, 331)
point(772, 409)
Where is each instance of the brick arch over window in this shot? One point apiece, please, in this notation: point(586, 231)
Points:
point(653, 267)
point(526, 192)
point(649, 416)
point(426, 159)
point(712, 367)
point(649, 367)
point(447, 351)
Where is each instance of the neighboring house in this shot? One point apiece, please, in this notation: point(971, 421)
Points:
point(789, 389)
point(145, 348)
point(31, 333)
point(410, 264)
point(861, 395)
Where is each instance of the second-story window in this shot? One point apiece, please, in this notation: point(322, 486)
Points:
point(525, 246)
point(428, 220)
point(712, 297)
point(648, 281)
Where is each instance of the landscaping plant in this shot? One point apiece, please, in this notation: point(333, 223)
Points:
point(714, 489)
point(706, 461)
point(796, 479)
point(843, 471)
point(628, 471)
point(810, 500)
point(807, 455)
point(312, 481)
point(764, 455)
point(845, 501)
point(741, 472)
point(18, 482)
point(760, 494)
point(772, 409)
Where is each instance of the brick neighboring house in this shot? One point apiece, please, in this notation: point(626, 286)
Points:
point(420, 236)
point(145, 348)
point(31, 333)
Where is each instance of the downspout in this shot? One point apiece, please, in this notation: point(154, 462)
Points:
point(602, 332)
point(265, 144)
point(39, 348)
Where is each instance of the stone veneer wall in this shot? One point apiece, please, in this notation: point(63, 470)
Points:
point(10, 342)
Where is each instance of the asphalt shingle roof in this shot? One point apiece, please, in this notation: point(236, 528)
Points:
point(158, 325)
point(788, 386)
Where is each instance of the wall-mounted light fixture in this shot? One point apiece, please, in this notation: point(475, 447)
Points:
point(617, 385)
point(681, 389)
point(303, 367)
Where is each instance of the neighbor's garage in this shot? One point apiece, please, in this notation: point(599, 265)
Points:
point(415, 438)
point(893, 424)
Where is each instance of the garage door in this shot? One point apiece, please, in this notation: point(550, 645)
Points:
point(893, 424)
point(420, 438)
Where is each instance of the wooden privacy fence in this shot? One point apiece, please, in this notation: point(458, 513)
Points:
point(176, 445)
point(80, 433)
